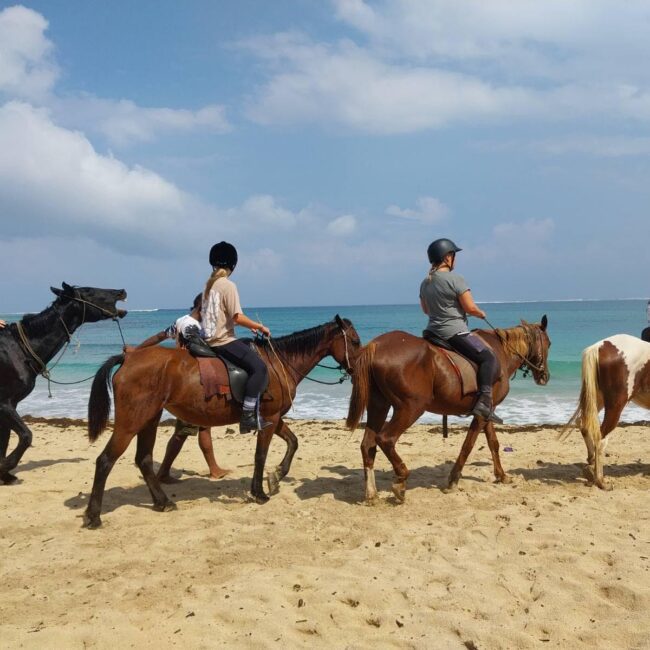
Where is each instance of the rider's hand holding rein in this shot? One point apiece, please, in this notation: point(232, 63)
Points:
point(2, 324)
point(253, 326)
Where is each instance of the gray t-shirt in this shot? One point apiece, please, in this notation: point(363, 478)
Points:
point(439, 293)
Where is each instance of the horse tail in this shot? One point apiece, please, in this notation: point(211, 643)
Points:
point(586, 414)
point(99, 405)
point(361, 379)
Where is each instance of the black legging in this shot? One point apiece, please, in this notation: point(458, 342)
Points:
point(242, 355)
point(476, 350)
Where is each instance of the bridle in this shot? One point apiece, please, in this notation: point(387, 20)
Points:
point(526, 365)
point(44, 371)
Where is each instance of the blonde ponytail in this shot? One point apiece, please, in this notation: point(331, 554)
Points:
point(217, 272)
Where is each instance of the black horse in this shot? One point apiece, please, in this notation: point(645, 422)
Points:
point(28, 345)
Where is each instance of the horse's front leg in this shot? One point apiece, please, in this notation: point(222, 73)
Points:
point(11, 420)
point(5, 432)
point(470, 440)
point(493, 444)
point(273, 479)
point(261, 451)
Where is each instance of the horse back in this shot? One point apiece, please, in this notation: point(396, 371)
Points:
point(624, 364)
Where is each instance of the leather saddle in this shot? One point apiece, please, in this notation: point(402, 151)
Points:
point(218, 375)
point(464, 368)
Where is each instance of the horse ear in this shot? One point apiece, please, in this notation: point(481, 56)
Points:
point(56, 292)
point(339, 322)
point(67, 288)
point(544, 323)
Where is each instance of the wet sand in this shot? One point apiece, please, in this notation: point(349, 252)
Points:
point(542, 562)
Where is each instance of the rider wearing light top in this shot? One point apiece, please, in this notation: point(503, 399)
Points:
point(447, 300)
point(221, 312)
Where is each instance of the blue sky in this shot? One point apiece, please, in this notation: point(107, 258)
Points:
point(330, 141)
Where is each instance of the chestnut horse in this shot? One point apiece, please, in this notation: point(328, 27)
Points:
point(154, 378)
point(615, 371)
point(412, 376)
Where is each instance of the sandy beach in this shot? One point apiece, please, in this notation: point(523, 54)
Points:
point(542, 562)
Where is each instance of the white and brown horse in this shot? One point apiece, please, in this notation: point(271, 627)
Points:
point(615, 371)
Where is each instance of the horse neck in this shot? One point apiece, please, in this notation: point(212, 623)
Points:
point(302, 363)
point(516, 344)
point(46, 333)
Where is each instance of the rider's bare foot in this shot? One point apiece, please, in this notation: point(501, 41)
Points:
point(219, 473)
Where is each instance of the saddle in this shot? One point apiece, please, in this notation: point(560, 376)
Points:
point(463, 367)
point(218, 376)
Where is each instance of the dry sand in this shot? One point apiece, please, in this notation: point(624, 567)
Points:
point(542, 562)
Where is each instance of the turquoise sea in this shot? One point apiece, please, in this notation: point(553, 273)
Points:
point(573, 325)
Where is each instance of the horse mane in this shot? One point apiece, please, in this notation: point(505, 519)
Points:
point(517, 337)
point(40, 324)
point(302, 342)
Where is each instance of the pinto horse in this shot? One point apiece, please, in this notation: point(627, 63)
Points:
point(27, 346)
point(412, 376)
point(154, 378)
point(615, 371)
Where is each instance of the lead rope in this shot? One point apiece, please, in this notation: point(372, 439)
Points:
point(286, 379)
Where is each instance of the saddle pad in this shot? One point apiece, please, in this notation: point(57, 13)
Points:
point(465, 369)
point(214, 376)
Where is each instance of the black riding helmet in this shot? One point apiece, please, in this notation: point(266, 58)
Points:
point(223, 255)
point(439, 248)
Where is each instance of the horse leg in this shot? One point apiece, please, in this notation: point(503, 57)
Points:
point(115, 447)
point(470, 440)
point(5, 431)
point(493, 444)
point(273, 479)
point(377, 412)
point(261, 451)
point(402, 419)
point(12, 421)
point(613, 410)
point(144, 460)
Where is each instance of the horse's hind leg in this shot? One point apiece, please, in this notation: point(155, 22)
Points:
point(468, 444)
point(273, 479)
point(115, 447)
point(144, 460)
point(403, 418)
point(5, 432)
point(377, 412)
point(493, 444)
point(613, 410)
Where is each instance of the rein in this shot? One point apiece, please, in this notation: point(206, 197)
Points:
point(525, 361)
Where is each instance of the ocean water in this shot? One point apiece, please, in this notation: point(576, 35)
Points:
point(573, 325)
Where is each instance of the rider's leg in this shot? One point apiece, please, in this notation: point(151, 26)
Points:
point(241, 354)
point(476, 350)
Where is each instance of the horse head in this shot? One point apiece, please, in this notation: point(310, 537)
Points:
point(538, 346)
point(345, 343)
point(96, 304)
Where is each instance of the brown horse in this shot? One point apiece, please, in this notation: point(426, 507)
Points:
point(412, 376)
point(615, 371)
point(154, 378)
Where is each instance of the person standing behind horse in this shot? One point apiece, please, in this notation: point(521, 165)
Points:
point(220, 313)
point(447, 300)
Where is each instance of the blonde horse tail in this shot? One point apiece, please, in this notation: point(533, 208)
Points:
point(586, 414)
point(361, 378)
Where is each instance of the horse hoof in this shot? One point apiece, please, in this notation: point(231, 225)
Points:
point(8, 479)
point(273, 483)
point(607, 487)
point(92, 523)
point(372, 499)
point(399, 490)
point(165, 507)
point(261, 499)
point(505, 479)
point(450, 488)
point(588, 473)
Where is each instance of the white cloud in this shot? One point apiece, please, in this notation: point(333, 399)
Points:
point(263, 209)
point(610, 147)
point(53, 181)
point(27, 68)
point(123, 122)
point(429, 210)
point(342, 226)
point(427, 64)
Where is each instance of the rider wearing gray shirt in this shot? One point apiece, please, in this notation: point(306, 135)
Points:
point(439, 292)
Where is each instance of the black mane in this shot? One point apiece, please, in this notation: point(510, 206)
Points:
point(40, 324)
point(298, 343)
